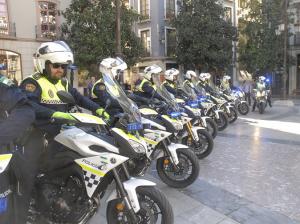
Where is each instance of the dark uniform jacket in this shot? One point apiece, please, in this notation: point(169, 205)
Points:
point(145, 88)
point(35, 93)
point(16, 115)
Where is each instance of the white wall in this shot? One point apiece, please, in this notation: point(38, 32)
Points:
point(23, 13)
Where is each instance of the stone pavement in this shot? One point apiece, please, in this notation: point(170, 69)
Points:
point(251, 177)
point(203, 203)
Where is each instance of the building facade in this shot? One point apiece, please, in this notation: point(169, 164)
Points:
point(23, 26)
point(294, 49)
point(156, 33)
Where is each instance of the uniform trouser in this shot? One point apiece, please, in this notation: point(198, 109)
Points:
point(248, 98)
point(25, 165)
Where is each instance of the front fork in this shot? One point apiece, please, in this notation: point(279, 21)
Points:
point(123, 193)
point(192, 135)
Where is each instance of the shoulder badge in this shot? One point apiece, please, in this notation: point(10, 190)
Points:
point(50, 93)
point(30, 87)
point(36, 76)
point(102, 87)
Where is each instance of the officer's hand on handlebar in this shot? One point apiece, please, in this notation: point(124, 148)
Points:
point(63, 116)
point(102, 113)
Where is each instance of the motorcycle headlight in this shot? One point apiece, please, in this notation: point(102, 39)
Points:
point(197, 113)
point(138, 148)
point(178, 126)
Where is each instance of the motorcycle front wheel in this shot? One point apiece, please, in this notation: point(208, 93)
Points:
point(211, 126)
point(243, 108)
point(261, 107)
point(184, 174)
point(155, 209)
point(222, 122)
point(203, 147)
point(233, 115)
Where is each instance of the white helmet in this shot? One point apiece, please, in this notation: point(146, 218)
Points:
point(226, 78)
point(171, 73)
point(153, 69)
point(261, 78)
point(115, 65)
point(204, 76)
point(55, 52)
point(189, 74)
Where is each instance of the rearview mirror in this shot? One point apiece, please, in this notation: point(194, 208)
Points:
point(66, 97)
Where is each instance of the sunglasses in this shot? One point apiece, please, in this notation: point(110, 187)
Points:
point(57, 65)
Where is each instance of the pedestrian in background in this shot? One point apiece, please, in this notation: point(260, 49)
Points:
point(90, 86)
point(247, 88)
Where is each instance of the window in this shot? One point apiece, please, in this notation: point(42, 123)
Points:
point(126, 3)
point(242, 3)
point(4, 27)
point(170, 9)
point(10, 65)
point(146, 41)
point(145, 9)
point(171, 42)
point(228, 14)
point(47, 19)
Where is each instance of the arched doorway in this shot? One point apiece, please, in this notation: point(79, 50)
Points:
point(10, 65)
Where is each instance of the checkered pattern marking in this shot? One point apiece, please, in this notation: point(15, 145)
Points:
point(91, 180)
point(51, 101)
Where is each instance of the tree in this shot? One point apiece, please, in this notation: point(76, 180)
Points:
point(90, 31)
point(260, 49)
point(204, 36)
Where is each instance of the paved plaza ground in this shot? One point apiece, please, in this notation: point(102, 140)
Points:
point(251, 177)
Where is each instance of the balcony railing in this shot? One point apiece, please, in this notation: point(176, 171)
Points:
point(47, 34)
point(8, 30)
point(296, 39)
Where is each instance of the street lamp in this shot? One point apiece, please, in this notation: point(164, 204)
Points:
point(118, 28)
point(283, 28)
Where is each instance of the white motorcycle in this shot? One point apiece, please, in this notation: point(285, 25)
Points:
point(176, 164)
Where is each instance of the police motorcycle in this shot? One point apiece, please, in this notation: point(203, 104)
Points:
point(261, 96)
point(237, 97)
point(168, 114)
point(187, 98)
point(208, 107)
point(68, 188)
point(222, 104)
point(176, 164)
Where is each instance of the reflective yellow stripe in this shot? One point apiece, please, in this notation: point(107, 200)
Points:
point(98, 120)
point(125, 135)
point(49, 90)
point(5, 157)
point(140, 86)
point(93, 171)
point(150, 141)
point(99, 81)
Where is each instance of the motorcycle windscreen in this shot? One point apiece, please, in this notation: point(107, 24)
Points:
point(185, 87)
point(115, 91)
point(200, 90)
point(162, 91)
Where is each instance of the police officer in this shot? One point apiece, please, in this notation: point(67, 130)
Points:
point(170, 80)
point(260, 85)
point(104, 99)
point(16, 116)
point(204, 83)
point(145, 87)
point(51, 61)
point(225, 85)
